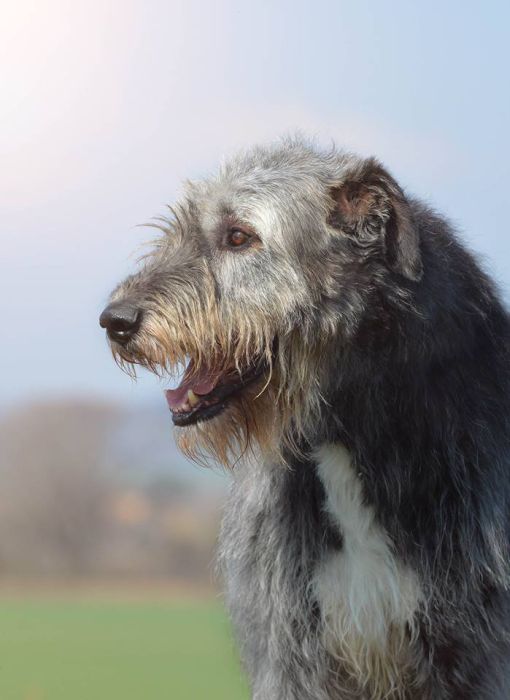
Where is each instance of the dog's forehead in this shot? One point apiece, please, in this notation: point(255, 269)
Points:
point(266, 187)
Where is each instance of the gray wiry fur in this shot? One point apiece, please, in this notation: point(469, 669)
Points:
point(365, 546)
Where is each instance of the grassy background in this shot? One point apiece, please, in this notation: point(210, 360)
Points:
point(76, 649)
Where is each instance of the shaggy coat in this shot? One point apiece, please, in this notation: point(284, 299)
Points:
point(365, 545)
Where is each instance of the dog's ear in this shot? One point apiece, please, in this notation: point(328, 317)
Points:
point(370, 205)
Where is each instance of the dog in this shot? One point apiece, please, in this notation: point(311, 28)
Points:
point(346, 355)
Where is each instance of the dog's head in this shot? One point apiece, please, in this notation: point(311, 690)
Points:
point(260, 274)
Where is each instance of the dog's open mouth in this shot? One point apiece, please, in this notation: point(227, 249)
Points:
point(204, 393)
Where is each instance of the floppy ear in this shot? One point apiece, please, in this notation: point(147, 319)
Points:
point(370, 205)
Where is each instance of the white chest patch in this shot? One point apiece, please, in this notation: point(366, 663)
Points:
point(367, 597)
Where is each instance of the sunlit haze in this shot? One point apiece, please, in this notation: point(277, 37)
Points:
point(107, 106)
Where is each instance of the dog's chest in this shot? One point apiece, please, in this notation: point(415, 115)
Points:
point(368, 598)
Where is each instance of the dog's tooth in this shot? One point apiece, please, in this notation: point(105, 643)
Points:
point(192, 398)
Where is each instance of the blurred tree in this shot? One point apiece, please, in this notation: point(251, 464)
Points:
point(54, 466)
point(75, 502)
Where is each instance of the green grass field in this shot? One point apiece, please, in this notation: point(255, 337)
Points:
point(93, 650)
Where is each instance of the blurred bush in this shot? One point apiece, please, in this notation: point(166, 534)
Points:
point(91, 489)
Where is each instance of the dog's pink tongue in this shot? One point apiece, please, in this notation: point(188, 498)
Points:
point(176, 397)
point(201, 384)
point(205, 386)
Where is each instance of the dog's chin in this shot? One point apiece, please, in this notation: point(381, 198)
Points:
point(198, 415)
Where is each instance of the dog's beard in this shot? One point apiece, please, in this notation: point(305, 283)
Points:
point(249, 424)
point(275, 416)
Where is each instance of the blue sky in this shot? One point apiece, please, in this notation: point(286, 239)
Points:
point(107, 106)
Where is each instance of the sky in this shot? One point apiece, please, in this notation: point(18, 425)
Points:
point(106, 107)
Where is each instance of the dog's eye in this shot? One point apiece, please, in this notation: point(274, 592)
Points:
point(237, 238)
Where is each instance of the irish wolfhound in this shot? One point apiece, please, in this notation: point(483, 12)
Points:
point(349, 358)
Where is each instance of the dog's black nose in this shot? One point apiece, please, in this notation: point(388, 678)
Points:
point(121, 321)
